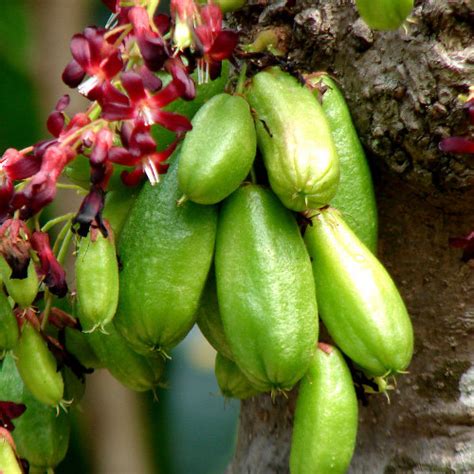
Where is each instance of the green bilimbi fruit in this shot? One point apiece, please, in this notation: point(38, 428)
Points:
point(166, 252)
point(129, 368)
point(41, 433)
point(188, 108)
point(38, 367)
point(117, 208)
point(358, 301)
point(232, 382)
point(265, 289)
point(384, 14)
point(8, 325)
point(295, 140)
point(23, 291)
point(74, 388)
point(78, 345)
point(209, 318)
point(218, 152)
point(355, 196)
point(97, 280)
point(325, 423)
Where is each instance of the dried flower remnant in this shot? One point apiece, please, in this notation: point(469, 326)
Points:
point(50, 270)
point(15, 246)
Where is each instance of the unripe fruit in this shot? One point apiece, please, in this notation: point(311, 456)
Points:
point(358, 301)
point(295, 140)
point(325, 423)
point(218, 152)
point(265, 289)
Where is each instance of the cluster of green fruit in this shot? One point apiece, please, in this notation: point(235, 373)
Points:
point(207, 245)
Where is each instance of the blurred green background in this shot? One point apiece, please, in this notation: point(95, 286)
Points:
point(190, 429)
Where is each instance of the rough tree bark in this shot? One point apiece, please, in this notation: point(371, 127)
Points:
point(403, 90)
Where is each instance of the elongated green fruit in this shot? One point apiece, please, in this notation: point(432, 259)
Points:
point(355, 194)
point(37, 367)
point(218, 152)
point(117, 208)
point(41, 433)
point(74, 388)
point(166, 252)
point(295, 141)
point(8, 325)
point(358, 301)
point(23, 291)
point(97, 281)
point(232, 382)
point(384, 14)
point(325, 423)
point(8, 461)
point(188, 108)
point(265, 289)
point(78, 345)
point(129, 368)
point(209, 318)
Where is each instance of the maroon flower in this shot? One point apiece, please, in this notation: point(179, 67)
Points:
point(8, 412)
point(41, 189)
point(140, 104)
point(90, 212)
point(460, 145)
point(56, 119)
point(151, 44)
point(50, 269)
point(60, 129)
point(15, 246)
point(141, 153)
point(112, 5)
point(466, 243)
point(95, 56)
point(214, 43)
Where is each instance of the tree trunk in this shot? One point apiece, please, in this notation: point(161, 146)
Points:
point(402, 88)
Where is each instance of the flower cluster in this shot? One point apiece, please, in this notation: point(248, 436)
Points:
point(116, 69)
point(130, 71)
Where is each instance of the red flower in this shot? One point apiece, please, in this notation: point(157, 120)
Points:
point(41, 190)
point(95, 56)
point(462, 145)
point(8, 412)
point(141, 153)
point(152, 46)
point(140, 104)
point(90, 212)
point(50, 269)
point(14, 166)
point(214, 43)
